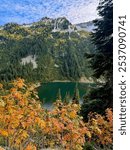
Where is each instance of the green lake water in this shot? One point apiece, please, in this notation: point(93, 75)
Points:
point(48, 91)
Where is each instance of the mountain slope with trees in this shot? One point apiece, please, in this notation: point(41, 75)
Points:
point(47, 50)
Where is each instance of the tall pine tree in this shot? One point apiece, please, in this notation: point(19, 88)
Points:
point(58, 97)
point(101, 97)
point(67, 98)
point(76, 96)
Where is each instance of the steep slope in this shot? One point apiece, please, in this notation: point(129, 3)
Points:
point(51, 49)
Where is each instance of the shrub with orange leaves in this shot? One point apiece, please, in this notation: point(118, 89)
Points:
point(18, 113)
point(23, 120)
point(66, 127)
point(26, 125)
point(101, 127)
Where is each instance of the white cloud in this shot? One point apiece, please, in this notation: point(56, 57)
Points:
point(26, 11)
point(83, 13)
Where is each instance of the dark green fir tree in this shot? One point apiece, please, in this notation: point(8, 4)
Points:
point(101, 97)
point(58, 97)
point(67, 98)
point(76, 96)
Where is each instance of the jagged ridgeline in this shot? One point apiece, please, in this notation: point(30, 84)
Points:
point(47, 50)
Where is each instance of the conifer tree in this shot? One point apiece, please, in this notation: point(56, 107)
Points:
point(76, 97)
point(59, 95)
point(102, 61)
point(67, 97)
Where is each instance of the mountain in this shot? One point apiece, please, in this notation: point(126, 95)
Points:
point(47, 50)
point(86, 26)
point(57, 24)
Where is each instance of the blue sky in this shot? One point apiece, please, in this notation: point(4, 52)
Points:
point(28, 11)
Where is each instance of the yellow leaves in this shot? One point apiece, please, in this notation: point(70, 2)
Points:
point(42, 124)
point(24, 134)
point(98, 131)
point(89, 134)
point(2, 103)
point(76, 107)
point(19, 136)
point(79, 147)
point(51, 144)
point(3, 133)
point(72, 114)
point(18, 142)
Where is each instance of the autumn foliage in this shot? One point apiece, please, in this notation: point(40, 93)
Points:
point(101, 127)
point(26, 125)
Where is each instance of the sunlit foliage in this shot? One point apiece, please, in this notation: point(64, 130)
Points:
point(26, 125)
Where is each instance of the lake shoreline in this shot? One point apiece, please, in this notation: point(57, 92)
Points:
point(81, 80)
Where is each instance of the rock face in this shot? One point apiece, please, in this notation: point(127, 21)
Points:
point(57, 24)
point(29, 59)
point(61, 24)
point(86, 26)
point(86, 80)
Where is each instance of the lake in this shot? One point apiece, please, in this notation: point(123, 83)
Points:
point(47, 92)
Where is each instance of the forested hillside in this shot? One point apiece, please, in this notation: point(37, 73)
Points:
point(47, 50)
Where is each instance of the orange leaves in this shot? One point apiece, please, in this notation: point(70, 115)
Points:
point(1, 86)
point(30, 146)
point(17, 114)
point(1, 148)
point(23, 120)
point(67, 125)
point(109, 115)
point(40, 122)
point(3, 133)
point(101, 127)
point(13, 90)
point(19, 83)
point(57, 126)
point(17, 95)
